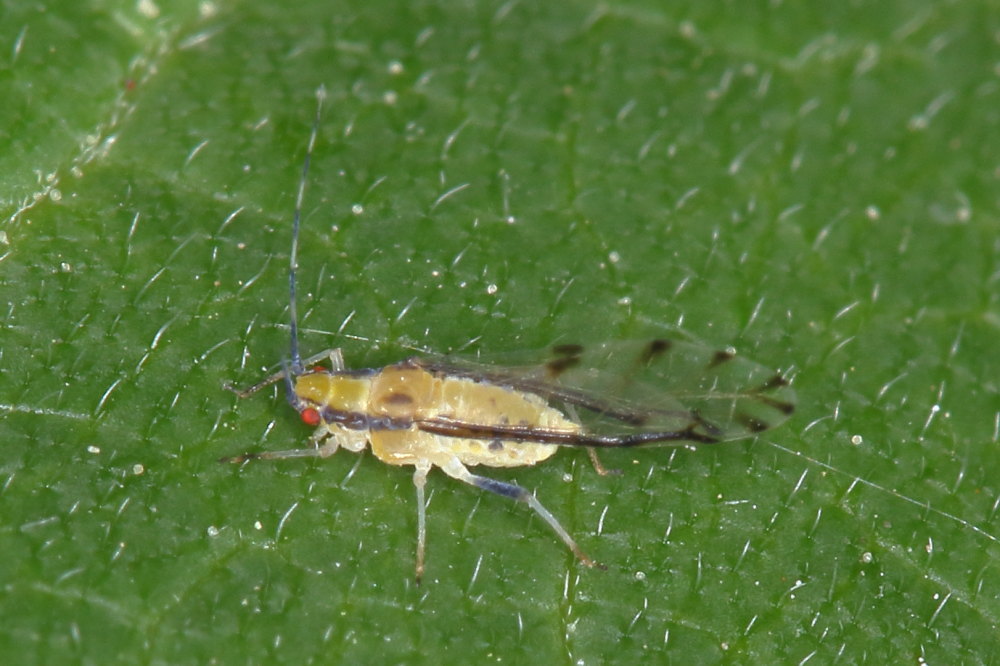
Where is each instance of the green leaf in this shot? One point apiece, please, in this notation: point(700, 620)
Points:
point(814, 186)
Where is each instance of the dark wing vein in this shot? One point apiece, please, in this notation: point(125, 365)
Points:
point(517, 433)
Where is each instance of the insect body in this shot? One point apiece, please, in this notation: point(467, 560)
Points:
point(441, 412)
point(414, 414)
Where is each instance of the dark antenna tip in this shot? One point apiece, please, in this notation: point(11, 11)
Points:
point(296, 360)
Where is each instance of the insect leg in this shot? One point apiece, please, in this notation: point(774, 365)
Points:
point(599, 467)
point(455, 469)
point(419, 480)
point(336, 365)
point(319, 449)
point(595, 460)
point(336, 359)
point(250, 390)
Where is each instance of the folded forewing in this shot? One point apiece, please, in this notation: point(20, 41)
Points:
point(627, 393)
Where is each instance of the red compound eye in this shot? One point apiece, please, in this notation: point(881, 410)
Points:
point(318, 368)
point(310, 416)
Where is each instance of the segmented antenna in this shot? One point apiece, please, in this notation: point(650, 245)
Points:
point(296, 367)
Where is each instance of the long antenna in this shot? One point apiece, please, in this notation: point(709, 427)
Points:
point(297, 368)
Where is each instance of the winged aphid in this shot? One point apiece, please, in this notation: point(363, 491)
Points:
point(452, 414)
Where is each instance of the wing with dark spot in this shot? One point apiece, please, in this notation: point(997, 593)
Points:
point(628, 393)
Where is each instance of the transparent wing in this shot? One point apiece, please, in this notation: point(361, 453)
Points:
point(628, 393)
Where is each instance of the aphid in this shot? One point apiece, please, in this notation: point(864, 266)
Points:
point(441, 412)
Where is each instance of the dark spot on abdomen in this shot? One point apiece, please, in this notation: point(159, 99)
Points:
point(398, 399)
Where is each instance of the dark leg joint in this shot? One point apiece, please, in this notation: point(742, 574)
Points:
point(501, 488)
point(241, 458)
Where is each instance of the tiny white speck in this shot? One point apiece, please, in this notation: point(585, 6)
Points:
point(567, 478)
point(491, 289)
point(93, 449)
point(390, 97)
point(55, 195)
point(640, 575)
point(625, 300)
point(614, 257)
point(357, 209)
point(873, 213)
point(257, 525)
point(395, 67)
point(213, 531)
point(148, 9)
point(918, 123)
point(207, 9)
point(66, 268)
point(857, 440)
point(138, 469)
point(867, 558)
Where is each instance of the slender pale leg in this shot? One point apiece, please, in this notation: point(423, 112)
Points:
point(599, 467)
point(336, 365)
point(318, 449)
point(420, 480)
point(455, 469)
point(595, 460)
